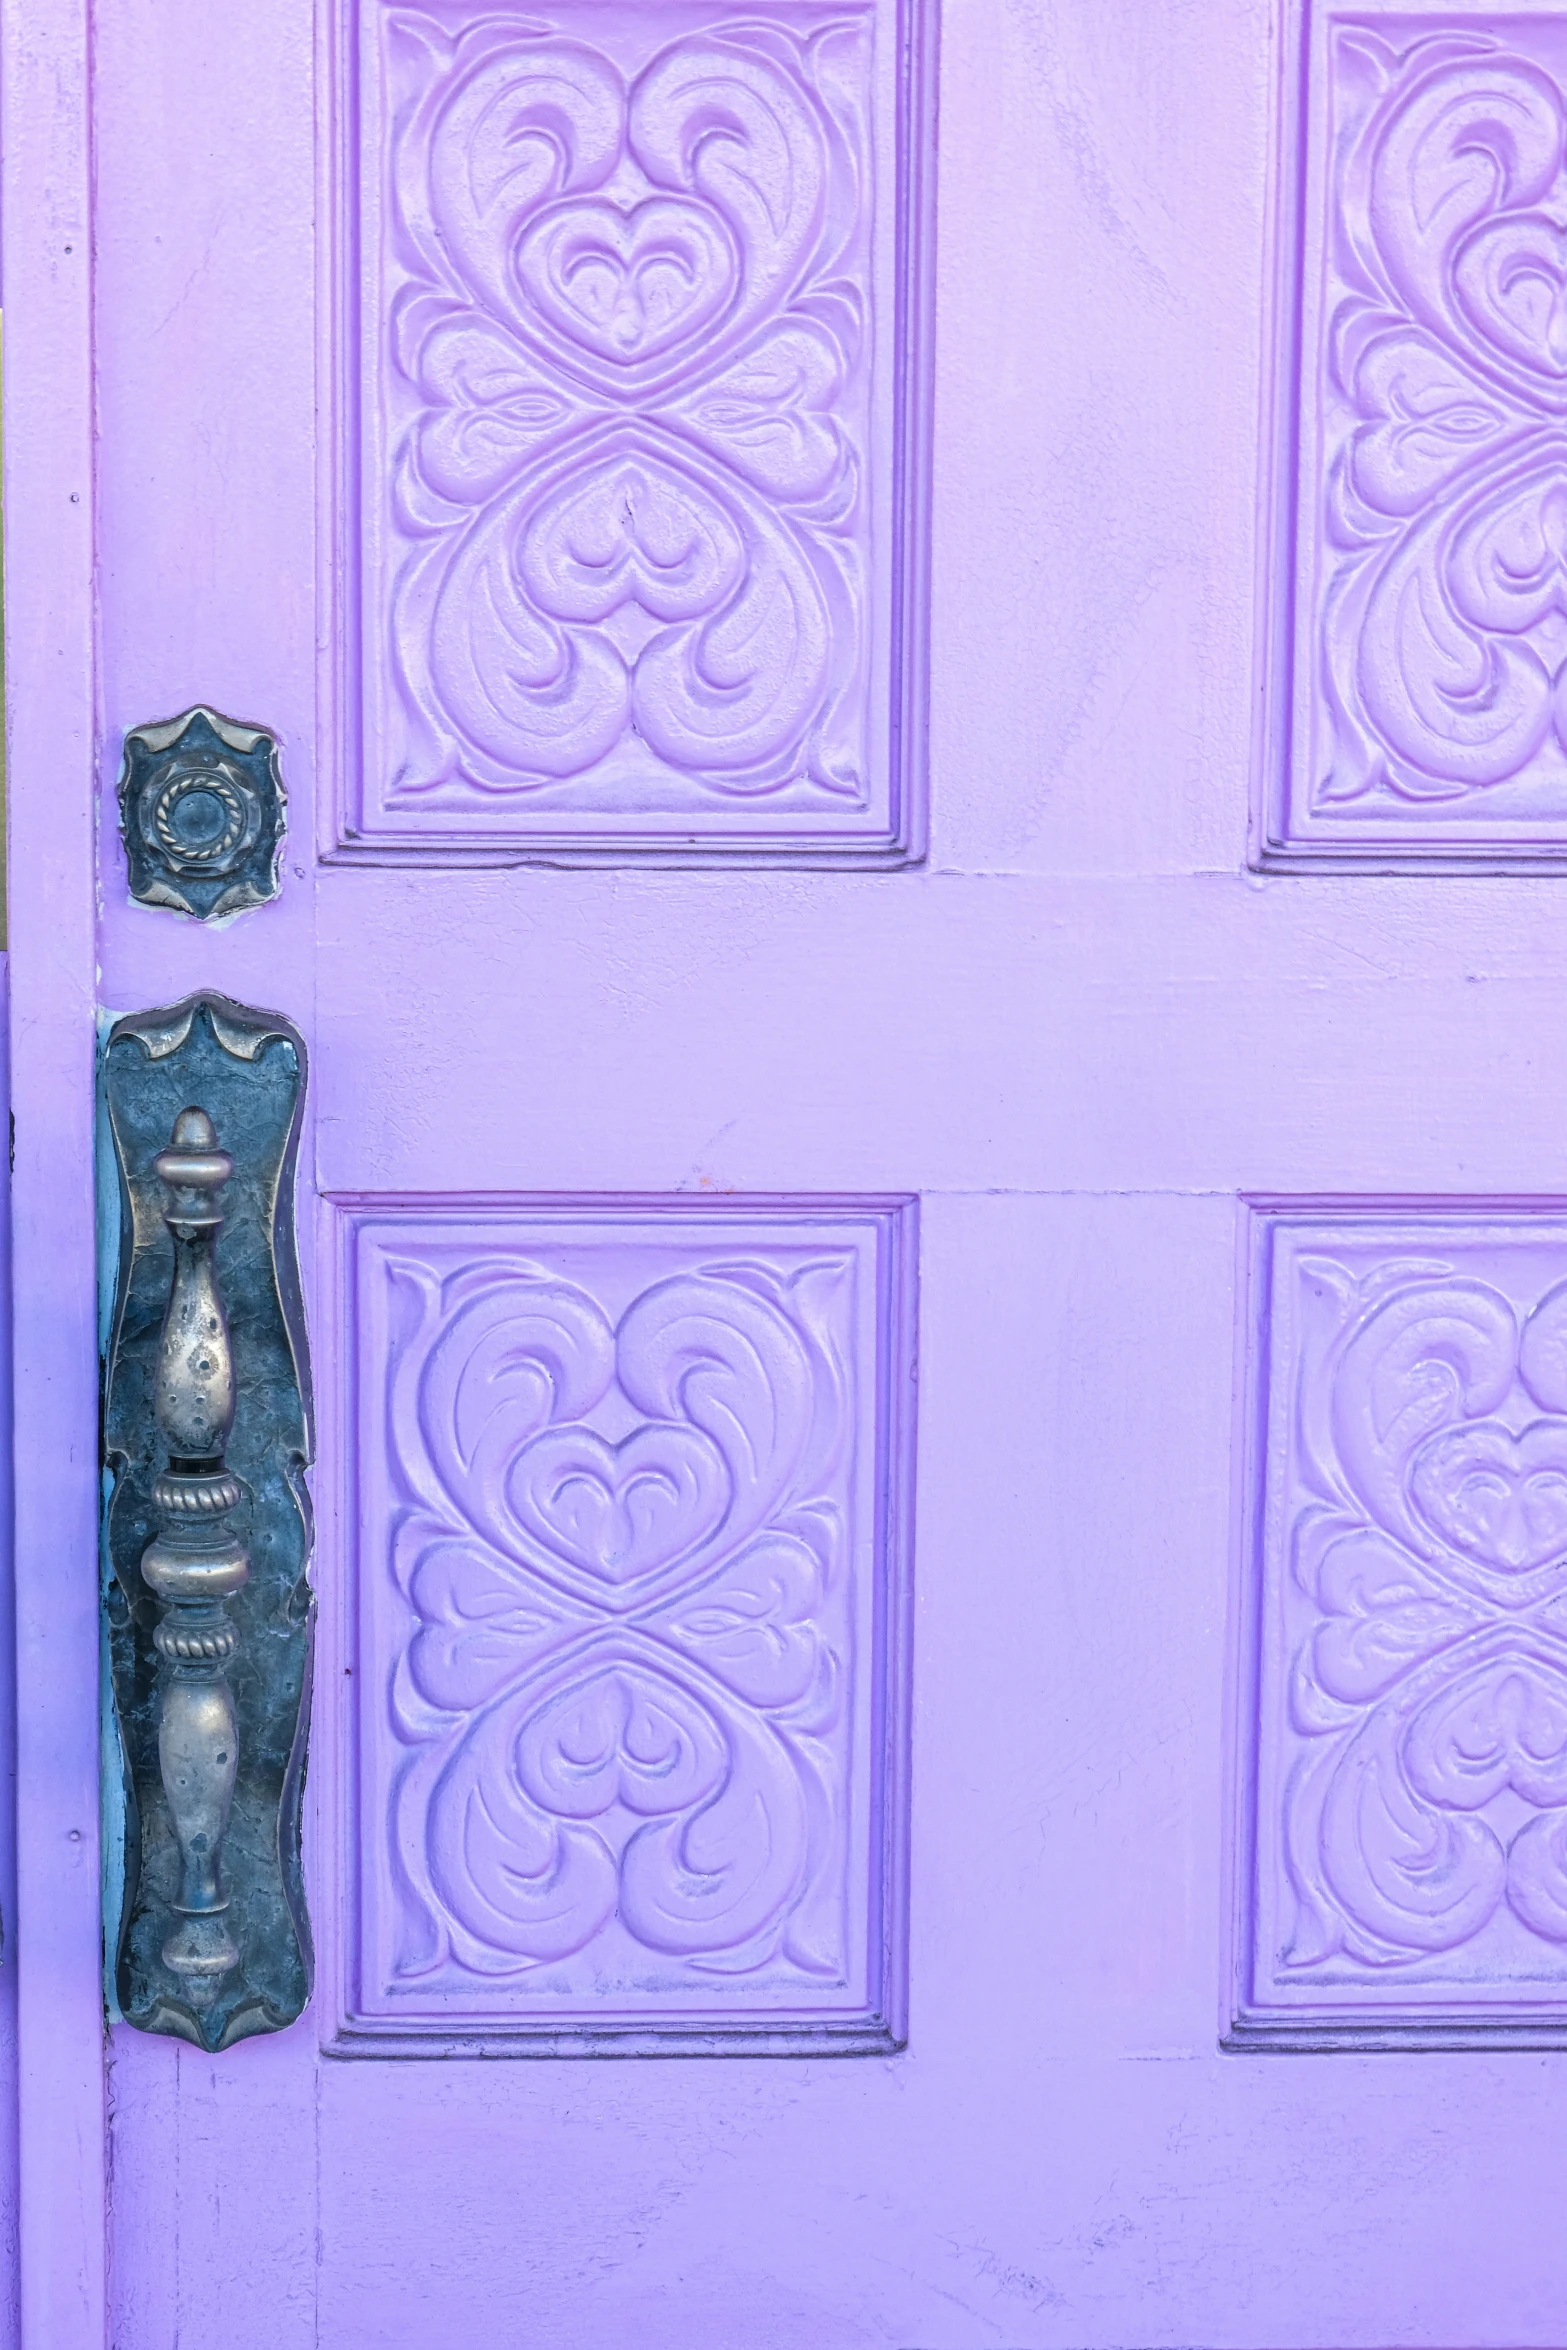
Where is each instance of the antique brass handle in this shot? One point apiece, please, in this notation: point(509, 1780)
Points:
point(194, 1563)
point(209, 1609)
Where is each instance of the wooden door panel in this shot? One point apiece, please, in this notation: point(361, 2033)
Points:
point(629, 318)
point(1401, 1877)
point(622, 1550)
point(1421, 388)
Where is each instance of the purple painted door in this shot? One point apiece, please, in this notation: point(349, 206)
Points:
point(873, 815)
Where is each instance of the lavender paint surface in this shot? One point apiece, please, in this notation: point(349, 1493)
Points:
point(10, 2312)
point(50, 694)
point(631, 375)
point(1423, 392)
point(624, 1761)
point(1411, 1659)
point(1081, 1033)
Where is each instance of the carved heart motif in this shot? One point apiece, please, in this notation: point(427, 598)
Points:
point(1496, 1498)
point(620, 1512)
point(621, 1736)
point(1511, 279)
point(1506, 564)
point(628, 285)
point(1503, 1726)
point(632, 533)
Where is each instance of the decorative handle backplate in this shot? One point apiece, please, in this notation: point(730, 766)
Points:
point(208, 1435)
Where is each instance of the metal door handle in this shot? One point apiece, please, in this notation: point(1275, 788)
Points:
point(207, 1432)
point(194, 1563)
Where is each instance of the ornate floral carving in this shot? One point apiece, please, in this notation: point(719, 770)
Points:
point(1432, 565)
point(623, 1623)
point(625, 372)
point(1412, 1808)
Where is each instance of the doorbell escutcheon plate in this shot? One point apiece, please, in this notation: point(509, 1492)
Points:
point(203, 814)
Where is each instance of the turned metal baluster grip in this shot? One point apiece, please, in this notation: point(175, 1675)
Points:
point(194, 1564)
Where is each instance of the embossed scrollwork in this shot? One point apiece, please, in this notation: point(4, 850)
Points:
point(633, 395)
point(1443, 612)
point(625, 1704)
point(1429, 1690)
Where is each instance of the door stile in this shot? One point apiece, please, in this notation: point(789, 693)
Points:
point(50, 705)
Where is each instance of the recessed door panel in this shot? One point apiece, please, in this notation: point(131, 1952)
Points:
point(1407, 1879)
point(624, 1649)
point(629, 320)
point(1421, 400)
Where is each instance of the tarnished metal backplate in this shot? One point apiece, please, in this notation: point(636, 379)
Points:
point(247, 1069)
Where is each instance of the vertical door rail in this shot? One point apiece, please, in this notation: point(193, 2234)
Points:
point(50, 713)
